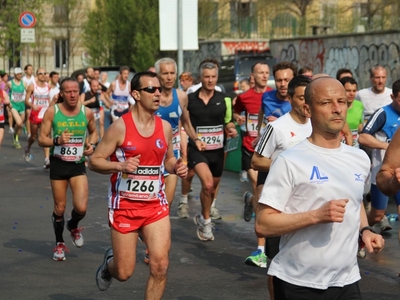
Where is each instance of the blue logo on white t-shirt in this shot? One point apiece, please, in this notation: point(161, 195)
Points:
point(358, 177)
point(318, 176)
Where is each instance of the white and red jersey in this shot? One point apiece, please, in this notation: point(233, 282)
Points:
point(147, 182)
point(41, 98)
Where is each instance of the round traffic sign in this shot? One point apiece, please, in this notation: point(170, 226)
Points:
point(27, 19)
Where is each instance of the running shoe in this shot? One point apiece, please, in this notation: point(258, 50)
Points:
point(27, 156)
point(382, 226)
point(146, 258)
point(16, 144)
point(46, 164)
point(257, 258)
point(248, 206)
point(103, 276)
point(76, 236)
point(59, 252)
point(214, 214)
point(183, 210)
point(204, 231)
point(243, 176)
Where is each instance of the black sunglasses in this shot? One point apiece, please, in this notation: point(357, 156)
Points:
point(151, 89)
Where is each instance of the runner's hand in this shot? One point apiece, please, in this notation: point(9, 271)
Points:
point(271, 118)
point(89, 149)
point(240, 120)
point(373, 242)
point(65, 137)
point(201, 146)
point(232, 132)
point(181, 168)
point(131, 164)
point(332, 211)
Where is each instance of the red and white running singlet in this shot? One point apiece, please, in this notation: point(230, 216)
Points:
point(41, 98)
point(147, 182)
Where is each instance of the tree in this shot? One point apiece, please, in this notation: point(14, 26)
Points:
point(123, 32)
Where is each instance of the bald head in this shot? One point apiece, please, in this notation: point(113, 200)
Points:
point(321, 83)
point(320, 75)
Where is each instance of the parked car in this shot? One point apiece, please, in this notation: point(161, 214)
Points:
point(235, 68)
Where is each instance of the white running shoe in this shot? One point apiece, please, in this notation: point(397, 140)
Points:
point(27, 156)
point(204, 231)
point(183, 210)
point(77, 237)
point(59, 252)
point(382, 226)
point(214, 213)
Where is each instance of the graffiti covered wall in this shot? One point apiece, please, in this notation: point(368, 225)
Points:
point(357, 52)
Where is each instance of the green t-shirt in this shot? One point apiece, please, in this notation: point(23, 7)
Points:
point(355, 117)
point(17, 92)
point(77, 125)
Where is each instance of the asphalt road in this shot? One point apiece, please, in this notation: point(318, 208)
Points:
point(198, 270)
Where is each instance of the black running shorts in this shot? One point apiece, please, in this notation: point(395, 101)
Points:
point(64, 170)
point(213, 158)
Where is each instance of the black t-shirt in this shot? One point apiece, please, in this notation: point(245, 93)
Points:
point(88, 96)
point(212, 114)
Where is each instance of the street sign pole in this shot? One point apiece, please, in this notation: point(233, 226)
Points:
point(27, 21)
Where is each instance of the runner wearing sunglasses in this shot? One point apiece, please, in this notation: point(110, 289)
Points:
point(40, 90)
point(135, 150)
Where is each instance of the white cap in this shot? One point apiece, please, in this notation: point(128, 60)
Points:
point(18, 71)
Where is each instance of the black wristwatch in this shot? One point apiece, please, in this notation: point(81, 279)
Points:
point(366, 228)
point(93, 146)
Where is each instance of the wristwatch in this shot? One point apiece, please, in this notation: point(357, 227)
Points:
point(366, 228)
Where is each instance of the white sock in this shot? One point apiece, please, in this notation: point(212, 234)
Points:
point(184, 199)
point(207, 221)
point(213, 204)
point(262, 248)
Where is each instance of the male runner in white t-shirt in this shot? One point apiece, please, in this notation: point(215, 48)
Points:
point(282, 134)
point(314, 201)
point(377, 95)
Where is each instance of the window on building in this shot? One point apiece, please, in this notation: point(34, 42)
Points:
point(60, 53)
point(60, 14)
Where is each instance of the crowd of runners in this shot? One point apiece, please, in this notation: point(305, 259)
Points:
point(312, 153)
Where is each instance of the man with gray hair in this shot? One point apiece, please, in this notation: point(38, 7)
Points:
point(211, 115)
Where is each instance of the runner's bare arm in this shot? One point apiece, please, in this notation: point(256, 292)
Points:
point(93, 136)
point(45, 138)
point(112, 139)
point(29, 92)
point(388, 177)
point(185, 119)
point(173, 165)
point(369, 140)
point(260, 120)
point(260, 163)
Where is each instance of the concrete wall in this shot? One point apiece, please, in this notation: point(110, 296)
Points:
point(357, 52)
